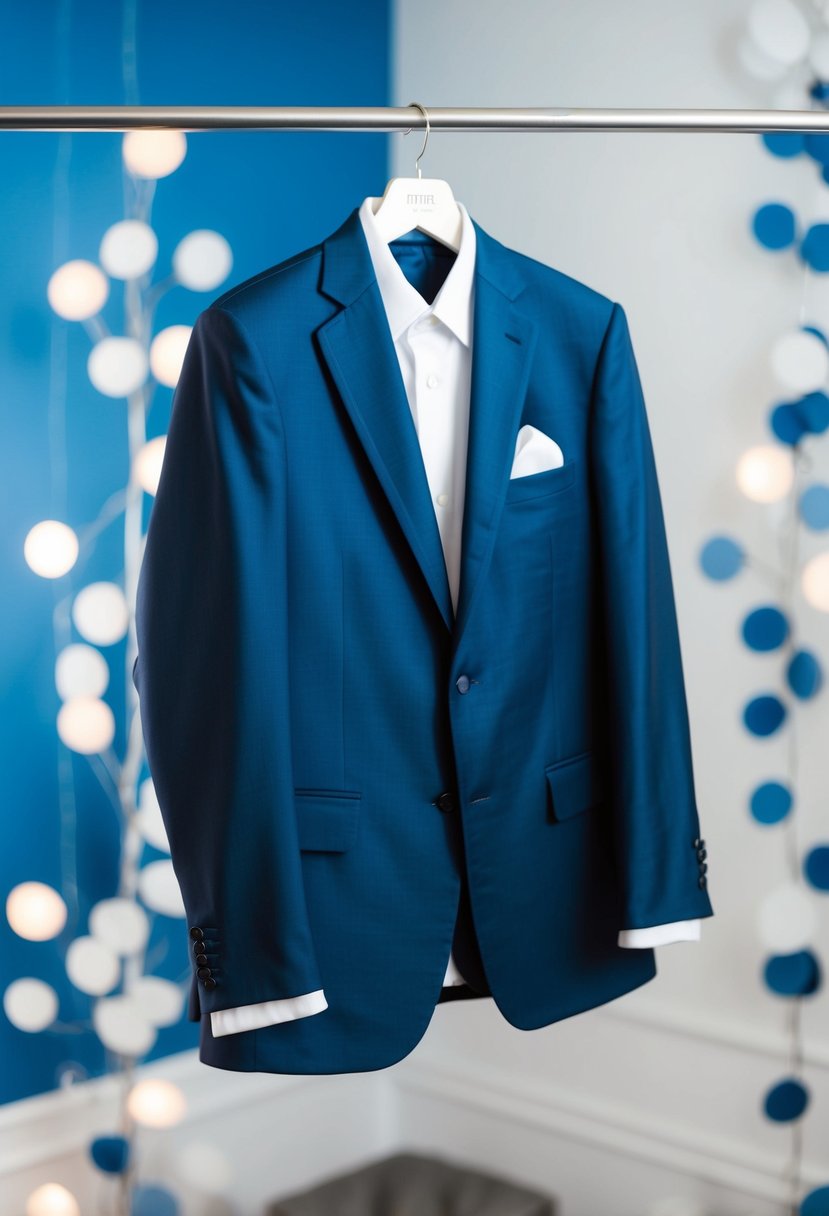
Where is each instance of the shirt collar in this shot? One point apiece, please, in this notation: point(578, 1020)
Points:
point(403, 302)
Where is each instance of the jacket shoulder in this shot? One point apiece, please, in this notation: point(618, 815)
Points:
point(247, 300)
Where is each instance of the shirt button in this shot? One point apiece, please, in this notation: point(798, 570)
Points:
point(462, 683)
point(432, 380)
point(443, 499)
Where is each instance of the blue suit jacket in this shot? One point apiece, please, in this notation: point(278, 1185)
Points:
point(341, 764)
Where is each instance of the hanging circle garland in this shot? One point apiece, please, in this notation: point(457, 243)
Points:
point(721, 558)
point(816, 1203)
point(764, 714)
point(765, 628)
point(796, 974)
point(771, 802)
point(787, 1100)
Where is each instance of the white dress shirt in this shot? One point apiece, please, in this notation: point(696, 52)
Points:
point(433, 343)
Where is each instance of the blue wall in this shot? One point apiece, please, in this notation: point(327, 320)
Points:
point(64, 451)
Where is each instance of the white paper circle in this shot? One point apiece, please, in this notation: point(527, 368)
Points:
point(153, 154)
point(814, 581)
point(122, 1027)
point(148, 817)
point(146, 467)
point(167, 353)
point(77, 290)
point(158, 887)
point(204, 1167)
point(791, 95)
point(92, 966)
point(128, 249)
point(117, 366)
point(52, 1199)
point(81, 671)
point(156, 1103)
point(120, 924)
point(86, 725)
point(765, 473)
point(100, 613)
point(800, 361)
point(35, 911)
point(30, 1005)
point(202, 260)
point(787, 919)
point(50, 548)
point(779, 29)
point(756, 64)
point(160, 1001)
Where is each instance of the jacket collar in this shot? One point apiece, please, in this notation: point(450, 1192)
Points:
point(403, 302)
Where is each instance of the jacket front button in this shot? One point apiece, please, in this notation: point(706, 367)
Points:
point(210, 982)
point(462, 683)
point(446, 802)
point(196, 932)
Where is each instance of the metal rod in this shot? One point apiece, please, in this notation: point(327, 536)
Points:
point(402, 118)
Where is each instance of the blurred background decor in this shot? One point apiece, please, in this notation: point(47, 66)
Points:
point(698, 1097)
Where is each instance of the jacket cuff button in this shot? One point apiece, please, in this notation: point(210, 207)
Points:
point(209, 982)
point(196, 932)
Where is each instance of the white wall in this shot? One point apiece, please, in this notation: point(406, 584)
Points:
point(675, 1071)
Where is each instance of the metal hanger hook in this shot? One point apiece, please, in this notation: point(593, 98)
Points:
point(426, 140)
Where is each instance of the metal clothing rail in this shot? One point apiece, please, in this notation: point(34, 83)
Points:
point(403, 118)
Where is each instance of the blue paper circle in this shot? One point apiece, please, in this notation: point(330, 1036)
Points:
point(819, 89)
point(795, 974)
point(150, 1199)
point(816, 867)
point(814, 248)
point(774, 225)
point(816, 1203)
point(786, 1100)
point(765, 628)
point(814, 409)
point(787, 423)
point(783, 143)
point(816, 145)
point(817, 331)
point(110, 1153)
point(762, 715)
point(771, 802)
point(721, 557)
point(804, 674)
point(814, 506)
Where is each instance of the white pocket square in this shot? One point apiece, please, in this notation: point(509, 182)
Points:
point(535, 452)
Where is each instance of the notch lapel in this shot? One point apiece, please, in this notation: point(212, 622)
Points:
point(358, 348)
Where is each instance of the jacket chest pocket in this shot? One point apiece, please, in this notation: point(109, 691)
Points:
point(541, 485)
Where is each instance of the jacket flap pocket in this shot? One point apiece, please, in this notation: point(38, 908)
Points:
point(327, 820)
point(575, 784)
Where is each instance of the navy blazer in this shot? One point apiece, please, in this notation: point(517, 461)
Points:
point(342, 765)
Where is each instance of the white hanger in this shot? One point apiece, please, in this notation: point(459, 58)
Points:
point(426, 203)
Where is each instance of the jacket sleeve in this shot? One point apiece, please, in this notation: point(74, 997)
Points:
point(212, 676)
point(660, 852)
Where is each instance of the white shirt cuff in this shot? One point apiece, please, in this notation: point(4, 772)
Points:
point(660, 935)
point(266, 1013)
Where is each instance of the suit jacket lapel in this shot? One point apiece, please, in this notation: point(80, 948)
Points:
point(358, 348)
